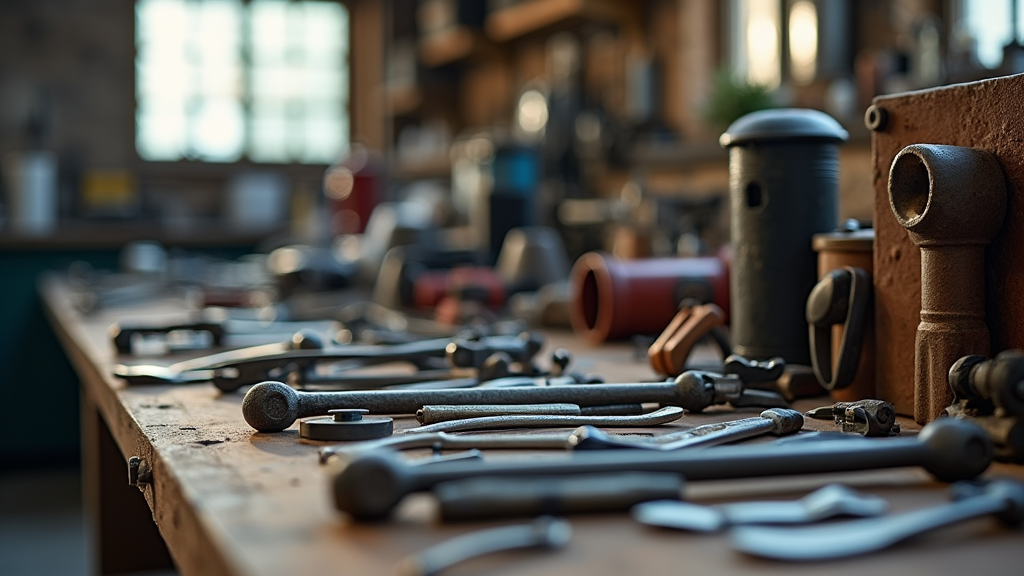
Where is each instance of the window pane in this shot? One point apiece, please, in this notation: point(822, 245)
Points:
point(219, 78)
point(988, 22)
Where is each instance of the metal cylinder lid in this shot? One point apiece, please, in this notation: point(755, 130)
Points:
point(851, 241)
point(783, 124)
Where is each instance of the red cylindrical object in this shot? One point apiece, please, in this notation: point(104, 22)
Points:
point(434, 286)
point(612, 299)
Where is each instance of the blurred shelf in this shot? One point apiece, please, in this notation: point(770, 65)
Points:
point(439, 166)
point(535, 15)
point(403, 99)
point(678, 155)
point(451, 45)
point(93, 235)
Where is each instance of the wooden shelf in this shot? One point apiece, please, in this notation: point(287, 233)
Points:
point(451, 45)
point(405, 99)
point(85, 235)
point(678, 155)
point(438, 166)
point(536, 15)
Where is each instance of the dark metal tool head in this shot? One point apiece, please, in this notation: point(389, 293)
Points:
point(270, 406)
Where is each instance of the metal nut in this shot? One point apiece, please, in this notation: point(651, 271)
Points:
point(876, 118)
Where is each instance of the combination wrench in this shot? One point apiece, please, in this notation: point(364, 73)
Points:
point(370, 484)
point(272, 406)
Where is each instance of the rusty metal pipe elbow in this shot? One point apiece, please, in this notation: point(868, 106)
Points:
point(952, 201)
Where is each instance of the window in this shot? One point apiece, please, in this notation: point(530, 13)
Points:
point(990, 24)
point(755, 32)
point(219, 80)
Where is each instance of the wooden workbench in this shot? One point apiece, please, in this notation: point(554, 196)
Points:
point(230, 501)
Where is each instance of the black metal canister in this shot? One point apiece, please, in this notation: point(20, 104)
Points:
point(783, 189)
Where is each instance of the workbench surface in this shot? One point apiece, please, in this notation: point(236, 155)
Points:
point(229, 500)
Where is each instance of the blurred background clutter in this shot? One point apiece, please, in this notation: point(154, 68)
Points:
point(450, 159)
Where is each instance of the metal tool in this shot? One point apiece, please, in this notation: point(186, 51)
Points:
point(754, 371)
point(705, 389)
point(672, 348)
point(1003, 498)
point(445, 441)
point(545, 532)
point(299, 361)
point(841, 297)
point(661, 416)
point(990, 387)
point(345, 424)
point(864, 417)
point(777, 421)
point(828, 502)
point(273, 406)
point(211, 327)
point(370, 484)
point(487, 497)
point(443, 413)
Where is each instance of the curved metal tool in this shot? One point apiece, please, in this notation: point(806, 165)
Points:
point(777, 421)
point(841, 297)
point(1003, 498)
point(583, 438)
point(544, 532)
point(662, 416)
point(828, 502)
point(369, 485)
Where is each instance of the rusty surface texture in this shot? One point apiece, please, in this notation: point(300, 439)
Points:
point(984, 116)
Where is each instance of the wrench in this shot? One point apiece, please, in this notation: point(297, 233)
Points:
point(236, 368)
point(662, 416)
point(271, 406)
point(583, 438)
point(371, 484)
point(832, 500)
point(431, 414)
point(1003, 498)
point(544, 532)
point(489, 497)
point(777, 421)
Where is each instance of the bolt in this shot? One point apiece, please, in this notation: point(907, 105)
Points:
point(876, 118)
point(139, 472)
point(348, 414)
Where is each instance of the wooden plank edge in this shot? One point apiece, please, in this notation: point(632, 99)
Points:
point(193, 542)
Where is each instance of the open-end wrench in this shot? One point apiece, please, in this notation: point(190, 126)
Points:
point(776, 421)
point(708, 388)
point(544, 532)
point(661, 416)
point(272, 406)
point(1003, 498)
point(828, 502)
point(369, 485)
point(236, 368)
point(583, 438)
